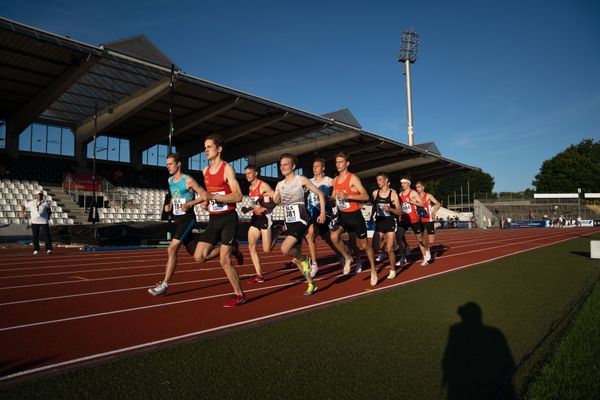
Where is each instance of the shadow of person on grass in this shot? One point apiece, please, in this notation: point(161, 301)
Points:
point(477, 361)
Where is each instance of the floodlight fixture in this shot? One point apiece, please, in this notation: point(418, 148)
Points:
point(408, 55)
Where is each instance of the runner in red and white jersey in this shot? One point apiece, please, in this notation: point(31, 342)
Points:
point(428, 217)
point(409, 201)
point(223, 191)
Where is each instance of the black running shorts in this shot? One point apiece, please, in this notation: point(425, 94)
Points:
point(403, 227)
point(221, 228)
point(386, 225)
point(183, 227)
point(261, 221)
point(296, 229)
point(353, 222)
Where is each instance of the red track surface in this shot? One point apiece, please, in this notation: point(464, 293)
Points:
point(70, 307)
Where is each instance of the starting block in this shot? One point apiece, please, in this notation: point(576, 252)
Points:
point(595, 248)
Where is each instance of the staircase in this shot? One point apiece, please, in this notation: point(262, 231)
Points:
point(64, 200)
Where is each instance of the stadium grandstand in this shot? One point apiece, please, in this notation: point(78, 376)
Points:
point(80, 120)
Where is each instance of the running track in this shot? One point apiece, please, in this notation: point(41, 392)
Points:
point(72, 308)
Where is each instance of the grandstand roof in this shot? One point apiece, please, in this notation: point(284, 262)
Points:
point(54, 79)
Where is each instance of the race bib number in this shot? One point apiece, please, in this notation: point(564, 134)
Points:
point(292, 214)
point(177, 203)
point(255, 203)
point(313, 198)
point(381, 212)
point(216, 206)
point(341, 203)
point(406, 208)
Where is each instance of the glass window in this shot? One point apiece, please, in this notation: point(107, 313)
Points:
point(113, 149)
point(38, 138)
point(67, 142)
point(156, 155)
point(124, 152)
point(54, 139)
point(2, 134)
point(25, 139)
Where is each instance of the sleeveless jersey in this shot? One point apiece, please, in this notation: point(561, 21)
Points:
point(345, 205)
point(256, 196)
point(292, 201)
point(312, 202)
point(409, 211)
point(427, 207)
point(216, 184)
point(180, 195)
point(380, 213)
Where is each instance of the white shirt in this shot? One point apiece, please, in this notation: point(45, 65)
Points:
point(40, 212)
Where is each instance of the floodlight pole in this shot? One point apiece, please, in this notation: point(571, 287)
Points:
point(408, 55)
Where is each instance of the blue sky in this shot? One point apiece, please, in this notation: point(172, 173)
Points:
point(502, 85)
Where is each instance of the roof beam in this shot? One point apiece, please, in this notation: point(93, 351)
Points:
point(396, 151)
point(350, 149)
point(124, 109)
point(33, 108)
point(238, 131)
point(187, 122)
point(306, 148)
point(256, 146)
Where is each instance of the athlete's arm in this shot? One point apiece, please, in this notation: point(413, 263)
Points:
point(266, 190)
point(277, 194)
point(416, 199)
point(436, 203)
point(168, 205)
point(310, 186)
point(362, 195)
point(191, 183)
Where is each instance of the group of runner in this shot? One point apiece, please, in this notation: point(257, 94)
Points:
point(320, 206)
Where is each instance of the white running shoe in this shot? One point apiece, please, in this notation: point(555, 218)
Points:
point(427, 256)
point(314, 268)
point(35, 252)
point(381, 256)
point(373, 279)
point(347, 266)
point(159, 289)
point(401, 262)
point(48, 251)
point(424, 263)
point(392, 274)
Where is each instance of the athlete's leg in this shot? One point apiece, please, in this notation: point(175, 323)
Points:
point(253, 237)
point(232, 275)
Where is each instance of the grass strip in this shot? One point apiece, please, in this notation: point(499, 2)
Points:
point(573, 371)
point(387, 345)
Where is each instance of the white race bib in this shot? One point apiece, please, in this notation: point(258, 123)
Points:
point(216, 206)
point(292, 214)
point(406, 208)
point(314, 199)
point(177, 203)
point(381, 212)
point(255, 203)
point(341, 204)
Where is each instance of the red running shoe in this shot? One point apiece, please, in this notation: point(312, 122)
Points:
point(256, 279)
point(236, 300)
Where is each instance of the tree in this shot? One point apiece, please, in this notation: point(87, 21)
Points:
point(576, 167)
point(480, 184)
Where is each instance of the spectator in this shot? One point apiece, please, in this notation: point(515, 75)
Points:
point(40, 212)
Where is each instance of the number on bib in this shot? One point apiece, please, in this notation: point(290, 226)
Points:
point(341, 203)
point(292, 214)
point(406, 208)
point(177, 203)
point(381, 212)
point(216, 206)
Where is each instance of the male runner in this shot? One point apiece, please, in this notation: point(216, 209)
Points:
point(428, 218)
point(260, 226)
point(223, 191)
point(290, 193)
point(347, 192)
point(409, 218)
point(183, 189)
point(325, 185)
point(385, 222)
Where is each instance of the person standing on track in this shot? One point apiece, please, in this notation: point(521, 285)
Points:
point(409, 218)
point(385, 222)
point(39, 213)
point(325, 185)
point(290, 193)
point(182, 189)
point(260, 226)
point(223, 192)
point(347, 192)
point(428, 217)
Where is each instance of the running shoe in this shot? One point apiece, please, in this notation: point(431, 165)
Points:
point(159, 289)
point(312, 287)
point(35, 252)
point(314, 268)
point(392, 274)
point(48, 251)
point(256, 279)
point(381, 256)
point(374, 278)
point(427, 256)
point(424, 263)
point(236, 300)
point(401, 262)
point(347, 264)
point(306, 266)
point(358, 266)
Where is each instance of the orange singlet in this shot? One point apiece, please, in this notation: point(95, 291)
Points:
point(345, 205)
